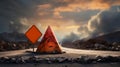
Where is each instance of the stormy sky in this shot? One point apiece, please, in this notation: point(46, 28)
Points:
point(70, 19)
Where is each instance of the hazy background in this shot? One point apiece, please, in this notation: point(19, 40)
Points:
point(70, 19)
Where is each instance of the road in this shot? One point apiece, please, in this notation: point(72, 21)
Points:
point(67, 50)
point(92, 52)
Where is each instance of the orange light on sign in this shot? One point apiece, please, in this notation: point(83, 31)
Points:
point(33, 34)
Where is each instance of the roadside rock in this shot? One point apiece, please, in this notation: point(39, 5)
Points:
point(50, 60)
point(31, 59)
point(20, 60)
point(62, 59)
point(4, 60)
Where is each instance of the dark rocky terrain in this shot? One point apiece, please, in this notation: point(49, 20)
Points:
point(50, 60)
point(16, 41)
point(109, 41)
point(13, 41)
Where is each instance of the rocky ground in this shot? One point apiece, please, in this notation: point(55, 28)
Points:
point(50, 60)
point(93, 44)
point(72, 57)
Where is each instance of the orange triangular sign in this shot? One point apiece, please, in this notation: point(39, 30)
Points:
point(49, 43)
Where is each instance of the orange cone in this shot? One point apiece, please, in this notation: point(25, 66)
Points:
point(49, 43)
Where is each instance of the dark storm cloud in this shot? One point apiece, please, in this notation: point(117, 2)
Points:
point(82, 16)
point(13, 11)
point(16, 15)
point(70, 38)
point(105, 22)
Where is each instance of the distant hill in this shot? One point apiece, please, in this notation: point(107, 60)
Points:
point(110, 41)
point(111, 37)
point(13, 41)
point(14, 37)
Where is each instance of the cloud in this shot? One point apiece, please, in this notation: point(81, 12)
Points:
point(78, 5)
point(19, 15)
point(19, 25)
point(83, 31)
point(78, 17)
point(63, 15)
point(14, 14)
point(44, 6)
point(105, 22)
point(70, 38)
point(81, 10)
point(44, 10)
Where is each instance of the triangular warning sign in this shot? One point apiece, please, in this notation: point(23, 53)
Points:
point(49, 43)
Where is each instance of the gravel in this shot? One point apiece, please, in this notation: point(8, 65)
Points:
point(50, 60)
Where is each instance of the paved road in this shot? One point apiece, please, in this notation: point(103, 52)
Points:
point(92, 52)
point(67, 50)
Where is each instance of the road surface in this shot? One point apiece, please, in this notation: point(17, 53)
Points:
point(69, 51)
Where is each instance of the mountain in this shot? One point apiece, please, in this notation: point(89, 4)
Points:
point(110, 41)
point(14, 37)
point(111, 37)
point(13, 41)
